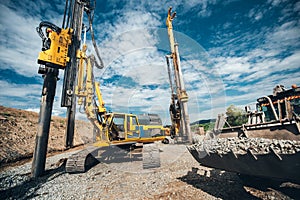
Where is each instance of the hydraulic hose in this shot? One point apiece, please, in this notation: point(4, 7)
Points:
point(98, 65)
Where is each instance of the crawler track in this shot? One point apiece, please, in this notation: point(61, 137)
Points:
point(82, 160)
point(151, 157)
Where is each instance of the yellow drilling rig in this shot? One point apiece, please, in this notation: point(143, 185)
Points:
point(179, 98)
point(63, 49)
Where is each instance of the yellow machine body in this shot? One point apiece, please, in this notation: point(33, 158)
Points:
point(57, 55)
point(110, 128)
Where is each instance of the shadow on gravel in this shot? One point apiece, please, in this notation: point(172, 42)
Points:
point(217, 183)
point(27, 188)
point(283, 190)
point(118, 154)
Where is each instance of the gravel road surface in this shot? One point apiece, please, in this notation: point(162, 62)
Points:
point(179, 177)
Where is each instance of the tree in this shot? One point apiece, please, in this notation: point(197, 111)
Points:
point(236, 116)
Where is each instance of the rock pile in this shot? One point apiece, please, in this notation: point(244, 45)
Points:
point(243, 145)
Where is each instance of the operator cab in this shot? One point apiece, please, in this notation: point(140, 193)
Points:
point(117, 127)
point(123, 126)
point(282, 105)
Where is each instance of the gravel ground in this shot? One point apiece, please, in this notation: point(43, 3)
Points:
point(179, 177)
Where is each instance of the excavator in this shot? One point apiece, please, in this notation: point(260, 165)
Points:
point(268, 145)
point(111, 127)
point(63, 50)
point(122, 128)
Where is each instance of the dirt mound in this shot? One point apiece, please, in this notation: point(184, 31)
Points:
point(18, 130)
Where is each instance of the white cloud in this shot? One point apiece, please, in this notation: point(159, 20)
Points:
point(19, 42)
point(232, 65)
point(161, 7)
point(132, 46)
point(129, 48)
point(288, 34)
point(276, 2)
point(266, 56)
point(18, 90)
point(256, 13)
point(265, 59)
point(297, 7)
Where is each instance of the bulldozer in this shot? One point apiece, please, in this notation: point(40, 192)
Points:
point(268, 145)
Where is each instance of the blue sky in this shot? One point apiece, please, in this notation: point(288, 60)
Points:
point(232, 52)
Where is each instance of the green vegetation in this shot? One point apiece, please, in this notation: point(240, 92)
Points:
point(6, 114)
point(207, 126)
point(61, 123)
point(236, 116)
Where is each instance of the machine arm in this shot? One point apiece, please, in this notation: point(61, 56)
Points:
point(179, 98)
point(86, 89)
point(59, 51)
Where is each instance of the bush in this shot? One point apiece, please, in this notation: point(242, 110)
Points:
point(236, 116)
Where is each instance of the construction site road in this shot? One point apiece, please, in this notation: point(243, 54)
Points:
point(179, 177)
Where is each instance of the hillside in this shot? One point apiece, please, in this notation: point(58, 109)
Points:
point(203, 121)
point(18, 130)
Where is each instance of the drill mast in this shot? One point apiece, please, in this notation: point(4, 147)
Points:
point(61, 47)
point(179, 99)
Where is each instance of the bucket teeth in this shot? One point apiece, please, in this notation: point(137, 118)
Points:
point(243, 145)
point(252, 156)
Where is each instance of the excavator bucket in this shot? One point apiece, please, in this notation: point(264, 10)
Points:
point(268, 145)
point(279, 159)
